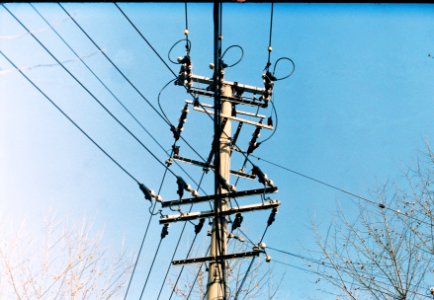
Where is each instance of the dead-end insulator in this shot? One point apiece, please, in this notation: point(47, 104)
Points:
point(253, 144)
point(272, 216)
point(185, 72)
point(183, 118)
point(165, 230)
point(176, 133)
point(148, 193)
point(198, 226)
point(237, 221)
point(262, 177)
point(225, 184)
point(182, 185)
point(268, 79)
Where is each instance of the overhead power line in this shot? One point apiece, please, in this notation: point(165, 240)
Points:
point(70, 119)
point(354, 195)
point(89, 92)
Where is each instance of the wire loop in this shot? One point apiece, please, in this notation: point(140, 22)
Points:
point(188, 48)
point(290, 73)
point(239, 60)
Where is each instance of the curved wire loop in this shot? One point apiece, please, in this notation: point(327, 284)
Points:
point(151, 211)
point(239, 60)
point(290, 73)
point(159, 103)
point(188, 48)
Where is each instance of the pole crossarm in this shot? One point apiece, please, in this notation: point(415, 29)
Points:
point(236, 194)
point(212, 258)
point(257, 124)
point(209, 214)
point(234, 99)
point(235, 85)
point(209, 166)
point(245, 113)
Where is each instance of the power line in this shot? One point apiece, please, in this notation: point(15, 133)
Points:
point(177, 245)
point(144, 238)
point(321, 182)
point(182, 268)
point(168, 67)
point(90, 93)
point(348, 282)
point(270, 35)
point(322, 263)
point(137, 121)
point(144, 38)
point(97, 77)
point(109, 90)
point(70, 119)
point(127, 79)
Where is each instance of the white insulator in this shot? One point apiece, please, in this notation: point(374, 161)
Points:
point(270, 49)
point(267, 258)
point(194, 193)
point(262, 245)
point(186, 32)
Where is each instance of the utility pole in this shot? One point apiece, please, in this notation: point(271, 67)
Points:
point(216, 287)
point(227, 95)
point(216, 272)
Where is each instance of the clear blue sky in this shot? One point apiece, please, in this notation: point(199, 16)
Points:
point(355, 113)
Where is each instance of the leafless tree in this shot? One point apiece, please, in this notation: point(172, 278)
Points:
point(67, 263)
point(387, 251)
point(258, 283)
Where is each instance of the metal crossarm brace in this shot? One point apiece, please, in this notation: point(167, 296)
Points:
point(236, 194)
point(209, 214)
point(210, 258)
point(206, 165)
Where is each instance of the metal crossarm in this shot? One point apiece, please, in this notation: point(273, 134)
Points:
point(209, 166)
point(240, 87)
point(236, 100)
point(239, 112)
point(212, 258)
point(235, 118)
point(236, 194)
point(209, 214)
